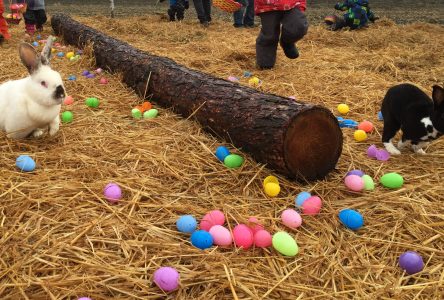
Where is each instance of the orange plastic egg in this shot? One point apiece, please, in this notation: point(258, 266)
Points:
point(366, 126)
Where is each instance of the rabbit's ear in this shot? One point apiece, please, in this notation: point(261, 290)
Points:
point(438, 95)
point(29, 57)
point(46, 52)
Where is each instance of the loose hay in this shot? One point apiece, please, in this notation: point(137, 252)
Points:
point(61, 239)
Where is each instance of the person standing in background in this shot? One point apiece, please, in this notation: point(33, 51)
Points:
point(35, 17)
point(4, 34)
point(203, 10)
point(244, 17)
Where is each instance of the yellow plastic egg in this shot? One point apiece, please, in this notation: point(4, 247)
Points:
point(272, 189)
point(254, 80)
point(53, 50)
point(70, 54)
point(360, 135)
point(343, 108)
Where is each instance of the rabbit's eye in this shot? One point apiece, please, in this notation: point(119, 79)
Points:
point(43, 83)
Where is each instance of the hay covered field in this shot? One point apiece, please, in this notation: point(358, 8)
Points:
point(60, 239)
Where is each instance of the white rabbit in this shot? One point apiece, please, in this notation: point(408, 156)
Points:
point(29, 105)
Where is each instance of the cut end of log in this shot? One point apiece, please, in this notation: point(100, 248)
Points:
point(313, 144)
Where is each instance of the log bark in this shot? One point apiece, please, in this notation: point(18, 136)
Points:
point(299, 140)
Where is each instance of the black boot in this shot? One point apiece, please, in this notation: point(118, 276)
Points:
point(171, 14)
point(2, 39)
point(290, 50)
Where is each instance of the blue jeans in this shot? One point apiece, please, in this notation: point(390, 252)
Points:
point(245, 15)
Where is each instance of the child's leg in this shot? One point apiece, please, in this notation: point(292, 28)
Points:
point(238, 15)
point(41, 18)
point(249, 14)
point(180, 10)
point(30, 21)
point(172, 13)
point(266, 42)
point(294, 27)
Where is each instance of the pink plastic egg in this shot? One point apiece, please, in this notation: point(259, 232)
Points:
point(112, 192)
point(312, 206)
point(68, 100)
point(214, 217)
point(221, 236)
point(254, 225)
point(103, 80)
point(262, 239)
point(354, 183)
point(243, 236)
point(291, 218)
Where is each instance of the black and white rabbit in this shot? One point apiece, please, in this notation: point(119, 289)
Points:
point(420, 118)
point(30, 104)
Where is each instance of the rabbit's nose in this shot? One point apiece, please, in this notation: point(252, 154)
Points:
point(59, 92)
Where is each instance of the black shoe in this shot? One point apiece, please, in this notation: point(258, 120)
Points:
point(205, 24)
point(290, 50)
point(2, 39)
point(238, 25)
point(264, 67)
point(249, 25)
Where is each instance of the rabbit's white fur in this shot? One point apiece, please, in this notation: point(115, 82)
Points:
point(28, 105)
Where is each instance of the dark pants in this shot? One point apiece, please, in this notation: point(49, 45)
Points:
point(245, 15)
point(177, 10)
point(294, 27)
point(35, 17)
point(203, 10)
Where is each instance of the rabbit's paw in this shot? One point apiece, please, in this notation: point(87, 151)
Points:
point(37, 133)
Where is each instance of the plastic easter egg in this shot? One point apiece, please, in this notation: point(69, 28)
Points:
point(53, 50)
point(186, 224)
point(233, 79)
point(351, 219)
point(35, 44)
point(86, 72)
point(382, 155)
point(270, 178)
point(411, 262)
point(291, 218)
point(90, 76)
point(247, 74)
point(67, 117)
point(70, 54)
point(254, 225)
point(25, 163)
point(92, 102)
point(73, 58)
point(112, 192)
point(214, 217)
point(392, 180)
point(301, 197)
point(262, 239)
point(254, 81)
point(233, 161)
point(167, 279)
point(39, 37)
point(103, 80)
point(272, 189)
point(84, 298)
point(60, 54)
point(150, 114)
point(99, 70)
point(367, 126)
point(343, 108)
point(360, 135)
point(354, 183)
point(312, 206)
point(292, 97)
point(371, 151)
point(243, 236)
point(68, 100)
point(380, 117)
point(201, 239)
point(285, 244)
point(222, 152)
point(72, 78)
point(369, 184)
point(221, 236)
point(79, 52)
point(355, 172)
point(146, 106)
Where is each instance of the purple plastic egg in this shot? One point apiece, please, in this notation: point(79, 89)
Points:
point(85, 73)
point(90, 76)
point(112, 192)
point(371, 151)
point(382, 155)
point(411, 262)
point(355, 172)
point(167, 278)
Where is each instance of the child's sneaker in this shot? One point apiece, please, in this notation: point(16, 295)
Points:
point(290, 50)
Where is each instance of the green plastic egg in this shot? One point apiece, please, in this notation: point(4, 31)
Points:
point(150, 114)
point(137, 114)
point(92, 102)
point(369, 184)
point(67, 117)
point(285, 244)
point(233, 161)
point(392, 180)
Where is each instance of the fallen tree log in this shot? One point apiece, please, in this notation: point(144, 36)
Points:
point(299, 140)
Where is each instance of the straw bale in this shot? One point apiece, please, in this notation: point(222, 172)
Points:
point(60, 239)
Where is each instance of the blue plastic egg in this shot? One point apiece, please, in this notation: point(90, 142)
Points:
point(186, 224)
point(39, 37)
point(222, 152)
point(351, 219)
point(380, 117)
point(60, 54)
point(35, 44)
point(201, 239)
point(301, 197)
point(72, 78)
point(25, 163)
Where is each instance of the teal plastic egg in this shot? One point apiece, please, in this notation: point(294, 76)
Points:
point(392, 180)
point(233, 161)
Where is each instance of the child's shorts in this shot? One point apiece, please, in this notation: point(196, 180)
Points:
point(35, 17)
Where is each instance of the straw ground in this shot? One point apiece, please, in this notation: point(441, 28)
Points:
point(60, 239)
